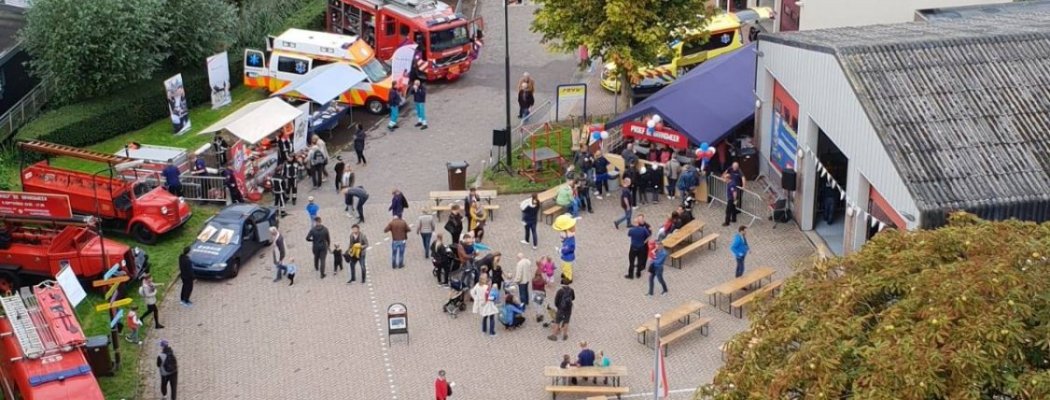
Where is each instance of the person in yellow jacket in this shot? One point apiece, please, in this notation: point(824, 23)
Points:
point(477, 220)
point(355, 253)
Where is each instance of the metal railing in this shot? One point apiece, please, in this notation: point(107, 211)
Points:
point(204, 188)
point(23, 111)
point(752, 204)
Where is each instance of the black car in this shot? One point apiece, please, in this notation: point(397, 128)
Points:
point(230, 238)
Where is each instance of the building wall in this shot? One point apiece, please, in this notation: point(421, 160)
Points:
point(15, 81)
point(820, 14)
point(826, 101)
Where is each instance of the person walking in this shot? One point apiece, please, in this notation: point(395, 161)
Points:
point(601, 174)
point(419, 97)
point(740, 248)
point(530, 209)
point(278, 253)
point(359, 144)
point(442, 387)
point(168, 366)
point(425, 228)
point(454, 225)
point(639, 249)
point(563, 301)
point(277, 183)
point(672, 172)
point(625, 203)
point(321, 240)
point(290, 268)
point(321, 145)
point(312, 210)
point(340, 166)
point(525, 100)
point(398, 204)
point(583, 195)
point(317, 161)
point(398, 230)
point(186, 274)
point(484, 295)
point(394, 102)
point(148, 291)
point(523, 273)
point(732, 192)
point(361, 196)
point(656, 268)
point(171, 178)
point(441, 257)
point(356, 250)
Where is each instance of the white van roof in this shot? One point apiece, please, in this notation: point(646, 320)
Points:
point(312, 42)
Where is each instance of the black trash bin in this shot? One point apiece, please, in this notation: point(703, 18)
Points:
point(98, 355)
point(457, 175)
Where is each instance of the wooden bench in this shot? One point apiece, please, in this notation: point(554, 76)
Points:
point(684, 311)
point(550, 212)
point(491, 209)
point(598, 398)
point(700, 324)
point(440, 195)
point(549, 194)
point(677, 256)
point(602, 390)
point(766, 290)
point(684, 233)
point(728, 288)
point(438, 209)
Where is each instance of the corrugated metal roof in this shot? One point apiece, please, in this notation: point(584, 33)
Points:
point(963, 107)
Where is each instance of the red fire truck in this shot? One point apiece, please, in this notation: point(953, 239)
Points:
point(41, 348)
point(449, 42)
point(134, 202)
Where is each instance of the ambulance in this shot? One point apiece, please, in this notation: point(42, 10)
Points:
point(727, 33)
point(296, 52)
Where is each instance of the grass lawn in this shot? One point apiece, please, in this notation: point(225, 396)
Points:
point(560, 140)
point(163, 254)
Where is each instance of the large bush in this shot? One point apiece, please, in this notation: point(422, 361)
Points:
point(961, 312)
point(88, 48)
point(200, 28)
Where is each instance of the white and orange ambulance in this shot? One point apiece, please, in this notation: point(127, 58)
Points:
point(296, 52)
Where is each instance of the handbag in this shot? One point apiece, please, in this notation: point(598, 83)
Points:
point(346, 256)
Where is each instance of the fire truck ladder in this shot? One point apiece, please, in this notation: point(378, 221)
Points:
point(42, 147)
point(22, 325)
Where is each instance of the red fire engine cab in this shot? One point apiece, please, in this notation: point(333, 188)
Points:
point(41, 348)
point(448, 41)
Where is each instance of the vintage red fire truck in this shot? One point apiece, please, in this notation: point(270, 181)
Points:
point(133, 202)
point(449, 41)
point(42, 348)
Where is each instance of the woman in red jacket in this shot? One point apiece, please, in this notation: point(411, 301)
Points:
point(442, 388)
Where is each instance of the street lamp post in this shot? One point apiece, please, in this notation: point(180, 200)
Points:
point(506, 76)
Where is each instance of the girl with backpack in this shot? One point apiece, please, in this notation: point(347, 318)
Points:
point(169, 369)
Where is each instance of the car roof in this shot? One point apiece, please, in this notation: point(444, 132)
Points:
point(235, 213)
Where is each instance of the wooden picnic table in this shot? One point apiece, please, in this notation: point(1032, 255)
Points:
point(727, 289)
point(439, 195)
point(613, 372)
point(683, 311)
point(549, 194)
point(684, 233)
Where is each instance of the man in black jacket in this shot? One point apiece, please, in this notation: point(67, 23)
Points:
point(186, 273)
point(321, 240)
point(278, 253)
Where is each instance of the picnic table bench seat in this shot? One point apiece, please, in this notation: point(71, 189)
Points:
point(767, 290)
point(587, 389)
point(678, 255)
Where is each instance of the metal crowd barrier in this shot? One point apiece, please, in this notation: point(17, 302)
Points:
point(204, 188)
point(752, 204)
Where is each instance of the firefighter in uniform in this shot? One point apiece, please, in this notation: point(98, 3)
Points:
point(291, 176)
point(284, 149)
point(277, 186)
point(231, 185)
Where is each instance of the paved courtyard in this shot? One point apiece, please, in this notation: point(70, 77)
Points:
point(250, 338)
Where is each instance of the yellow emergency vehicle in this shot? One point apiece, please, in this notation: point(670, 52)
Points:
point(296, 52)
point(681, 56)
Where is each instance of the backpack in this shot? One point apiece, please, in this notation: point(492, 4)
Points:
point(317, 158)
point(169, 365)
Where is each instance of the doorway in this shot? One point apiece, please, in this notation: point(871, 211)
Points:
point(829, 203)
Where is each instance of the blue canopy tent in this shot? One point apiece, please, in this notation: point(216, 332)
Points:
point(706, 103)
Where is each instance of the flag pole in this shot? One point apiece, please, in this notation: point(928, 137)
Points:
point(656, 362)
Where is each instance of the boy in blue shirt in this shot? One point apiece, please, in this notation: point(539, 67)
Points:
point(312, 209)
point(290, 269)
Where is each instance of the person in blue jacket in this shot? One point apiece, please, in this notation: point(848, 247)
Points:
point(419, 96)
point(740, 249)
point(512, 315)
point(656, 268)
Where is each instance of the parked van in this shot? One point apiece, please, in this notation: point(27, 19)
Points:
point(296, 52)
point(683, 55)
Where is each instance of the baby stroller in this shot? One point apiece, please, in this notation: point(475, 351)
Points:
point(458, 288)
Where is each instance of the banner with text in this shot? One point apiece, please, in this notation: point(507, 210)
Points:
point(21, 204)
point(662, 135)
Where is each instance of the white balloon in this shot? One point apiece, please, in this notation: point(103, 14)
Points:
point(651, 124)
point(605, 135)
point(656, 118)
point(642, 170)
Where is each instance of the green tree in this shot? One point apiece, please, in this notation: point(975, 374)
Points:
point(961, 312)
point(628, 33)
point(87, 48)
point(200, 28)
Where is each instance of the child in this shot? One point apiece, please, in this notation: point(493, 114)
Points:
point(546, 265)
point(604, 362)
point(312, 209)
point(566, 362)
point(337, 257)
point(134, 324)
point(291, 269)
point(539, 293)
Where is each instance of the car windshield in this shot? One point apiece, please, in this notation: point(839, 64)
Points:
point(141, 188)
point(449, 38)
point(376, 70)
point(219, 234)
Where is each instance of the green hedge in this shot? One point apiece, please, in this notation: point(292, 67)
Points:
point(95, 120)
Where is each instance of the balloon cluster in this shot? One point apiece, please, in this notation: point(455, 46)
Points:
point(597, 133)
point(705, 151)
point(652, 124)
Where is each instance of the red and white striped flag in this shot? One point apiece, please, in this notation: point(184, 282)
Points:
point(660, 375)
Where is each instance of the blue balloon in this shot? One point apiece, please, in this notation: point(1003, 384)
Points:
point(704, 146)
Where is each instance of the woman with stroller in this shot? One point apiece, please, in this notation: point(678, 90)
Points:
point(441, 256)
point(485, 296)
point(512, 315)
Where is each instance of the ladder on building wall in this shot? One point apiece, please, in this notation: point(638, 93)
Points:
point(22, 325)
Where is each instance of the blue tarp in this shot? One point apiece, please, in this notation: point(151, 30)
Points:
point(706, 103)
